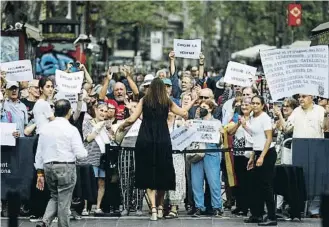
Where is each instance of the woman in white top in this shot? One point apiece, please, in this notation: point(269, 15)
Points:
point(241, 140)
point(262, 162)
point(42, 110)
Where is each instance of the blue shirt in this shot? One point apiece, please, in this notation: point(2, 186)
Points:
point(15, 112)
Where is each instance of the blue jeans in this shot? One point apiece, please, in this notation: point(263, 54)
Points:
point(210, 165)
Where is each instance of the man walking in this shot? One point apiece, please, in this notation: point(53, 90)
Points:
point(58, 147)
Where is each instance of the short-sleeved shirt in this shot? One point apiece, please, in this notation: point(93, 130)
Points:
point(307, 124)
point(29, 106)
point(42, 112)
point(258, 126)
point(94, 152)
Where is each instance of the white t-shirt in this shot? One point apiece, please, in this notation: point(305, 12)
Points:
point(42, 112)
point(258, 126)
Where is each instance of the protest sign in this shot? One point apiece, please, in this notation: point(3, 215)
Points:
point(69, 82)
point(130, 138)
point(187, 48)
point(182, 137)
point(239, 74)
point(18, 70)
point(207, 131)
point(6, 132)
point(133, 131)
point(292, 71)
point(73, 98)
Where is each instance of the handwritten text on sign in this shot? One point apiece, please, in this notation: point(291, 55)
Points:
point(187, 48)
point(207, 131)
point(239, 74)
point(69, 82)
point(18, 70)
point(292, 71)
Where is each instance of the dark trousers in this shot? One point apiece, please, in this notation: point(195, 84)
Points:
point(38, 199)
point(262, 185)
point(241, 191)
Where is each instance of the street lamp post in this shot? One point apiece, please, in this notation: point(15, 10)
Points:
point(80, 12)
point(94, 14)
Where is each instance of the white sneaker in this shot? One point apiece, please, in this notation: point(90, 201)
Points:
point(85, 212)
point(99, 211)
point(55, 220)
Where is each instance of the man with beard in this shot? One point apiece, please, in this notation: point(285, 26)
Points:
point(119, 93)
point(34, 93)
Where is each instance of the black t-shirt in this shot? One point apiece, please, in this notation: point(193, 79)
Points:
point(29, 106)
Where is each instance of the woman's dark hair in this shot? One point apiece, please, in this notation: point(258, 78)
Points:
point(262, 102)
point(62, 108)
point(156, 94)
point(43, 81)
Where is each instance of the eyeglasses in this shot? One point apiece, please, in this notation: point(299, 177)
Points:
point(203, 97)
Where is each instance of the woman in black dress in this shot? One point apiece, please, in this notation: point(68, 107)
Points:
point(154, 163)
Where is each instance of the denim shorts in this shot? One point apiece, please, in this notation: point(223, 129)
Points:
point(99, 172)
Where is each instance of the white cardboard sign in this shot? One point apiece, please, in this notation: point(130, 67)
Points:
point(182, 137)
point(293, 71)
point(18, 70)
point(239, 74)
point(187, 48)
point(207, 131)
point(69, 82)
point(6, 134)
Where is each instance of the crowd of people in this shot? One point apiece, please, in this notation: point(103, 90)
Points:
point(257, 129)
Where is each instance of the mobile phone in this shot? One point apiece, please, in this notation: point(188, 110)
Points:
point(114, 69)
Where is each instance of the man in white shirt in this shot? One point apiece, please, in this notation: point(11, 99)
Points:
point(308, 121)
point(59, 146)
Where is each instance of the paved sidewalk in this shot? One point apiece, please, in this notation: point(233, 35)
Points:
point(180, 222)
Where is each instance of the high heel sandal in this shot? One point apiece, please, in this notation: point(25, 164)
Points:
point(154, 214)
point(160, 212)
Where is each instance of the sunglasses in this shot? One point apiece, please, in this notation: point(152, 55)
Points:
point(203, 97)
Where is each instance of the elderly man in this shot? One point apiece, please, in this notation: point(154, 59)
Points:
point(33, 96)
point(308, 121)
point(186, 82)
point(14, 111)
point(119, 92)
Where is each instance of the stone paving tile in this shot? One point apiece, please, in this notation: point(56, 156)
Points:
point(180, 222)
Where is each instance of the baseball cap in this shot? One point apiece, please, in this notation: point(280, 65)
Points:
point(12, 84)
point(148, 79)
point(34, 83)
point(167, 81)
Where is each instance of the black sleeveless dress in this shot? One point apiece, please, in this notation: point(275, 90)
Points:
point(153, 151)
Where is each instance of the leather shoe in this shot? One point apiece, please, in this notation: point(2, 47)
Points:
point(268, 223)
point(253, 219)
